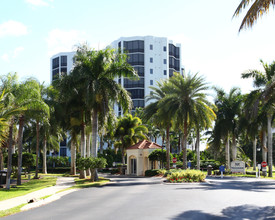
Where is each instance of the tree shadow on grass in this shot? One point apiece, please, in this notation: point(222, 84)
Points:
point(233, 212)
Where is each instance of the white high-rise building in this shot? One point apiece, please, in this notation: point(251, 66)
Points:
point(154, 59)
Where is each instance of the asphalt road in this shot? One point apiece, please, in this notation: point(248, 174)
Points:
point(150, 198)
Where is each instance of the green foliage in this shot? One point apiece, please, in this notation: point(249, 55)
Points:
point(58, 161)
point(159, 155)
point(215, 164)
point(111, 156)
point(85, 163)
point(180, 176)
point(151, 172)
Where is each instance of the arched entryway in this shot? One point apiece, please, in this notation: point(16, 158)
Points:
point(133, 165)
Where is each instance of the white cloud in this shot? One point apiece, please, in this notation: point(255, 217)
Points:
point(37, 2)
point(63, 40)
point(12, 54)
point(12, 28)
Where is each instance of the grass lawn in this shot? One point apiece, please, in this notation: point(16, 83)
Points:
point(27, 187)
point(11, 211)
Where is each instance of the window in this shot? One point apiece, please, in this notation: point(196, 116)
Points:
point(64, 142)
point(165, 72)
point(63, 152)
point(151, 71)
point(140, 70)
point(131, 83)
point(55, 63)
point(174, 51)
point(151, 46)
point(63, 60)
point(55, 74)
point(133, 46)
point(164, 61)
point(138, 103)
point(164, 48)
point(64, 70)
point(136, 59)
point(119, 80)
point(174, 63)
point(151, 59)
point(151, 82)
point(136, 93)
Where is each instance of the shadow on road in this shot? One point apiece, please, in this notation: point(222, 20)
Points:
point(233, 212)
point(234, 184)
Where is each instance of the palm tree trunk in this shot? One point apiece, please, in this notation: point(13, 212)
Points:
point(101, 145)
point(73, 157)
point(264, 148)
point(94, 137)
point(1, 159)
point(184, 148)
point(254, 153)
point(269, 145)
point(88, 148)
point(44, 169)
point(83, 149)
point(227, 152)
point(234, 148)
point(9, 154)
point(94, 133)
point(168, 148)
point(20, 147)
point(198, 149)
point(37, 149)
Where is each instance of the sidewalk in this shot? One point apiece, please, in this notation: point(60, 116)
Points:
point(61, 183)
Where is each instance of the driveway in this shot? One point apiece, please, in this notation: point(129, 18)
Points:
point(150, 198)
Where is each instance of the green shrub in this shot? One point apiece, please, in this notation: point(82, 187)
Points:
point(215, 164)
point(179, 176)
point(151, 172)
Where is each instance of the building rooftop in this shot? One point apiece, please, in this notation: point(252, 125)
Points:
point(144, 145)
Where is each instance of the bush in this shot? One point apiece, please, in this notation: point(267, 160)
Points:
point(151, 172)
point(215, 164)
point(180, 176)
point(58, 161)
point(159, 155)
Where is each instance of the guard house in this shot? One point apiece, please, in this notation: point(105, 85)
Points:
point(137, 158)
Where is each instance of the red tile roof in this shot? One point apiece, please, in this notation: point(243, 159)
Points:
point(144, 145)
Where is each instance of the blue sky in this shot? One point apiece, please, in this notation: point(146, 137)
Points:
point(31, 31)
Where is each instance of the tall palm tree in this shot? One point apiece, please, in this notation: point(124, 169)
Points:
point(264, 82)
point(257, 9)
point(158, 115)
point(226, 125)
point(186, 98)
point(97, 70)
point(129, 131)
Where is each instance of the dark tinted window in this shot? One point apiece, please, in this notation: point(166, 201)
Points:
point(151, 47)
point(64, 70)
point(133, 46)
point(64, 142)
point(138, 103)
point(55, 63)
point(63, 60)
point(136, 93)
point(55, 74)
point(63, 152)
point(174, 51)
point(131, 83)
point(164, 48)
point(136, 59)
point(140, 70)
point(164, 72)
point(174, 63)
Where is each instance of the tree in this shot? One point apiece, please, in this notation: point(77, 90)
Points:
point(97, 71)
point(264, 82)
point(226, 124)
point(256, 10)
point(186, 98)
point(158, 115)
point(129, 131)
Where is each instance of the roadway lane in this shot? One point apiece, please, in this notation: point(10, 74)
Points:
point(149, 198)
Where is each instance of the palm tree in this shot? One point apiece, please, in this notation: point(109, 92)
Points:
point(264, 82)
point(97, 70)
point(129, 131)
point(256, 10)
point(185, 99)
point(228, 112)
point(158, 115)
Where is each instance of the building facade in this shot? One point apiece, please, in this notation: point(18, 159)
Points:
point(154, 59)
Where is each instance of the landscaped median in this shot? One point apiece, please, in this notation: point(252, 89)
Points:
point(181, 176)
